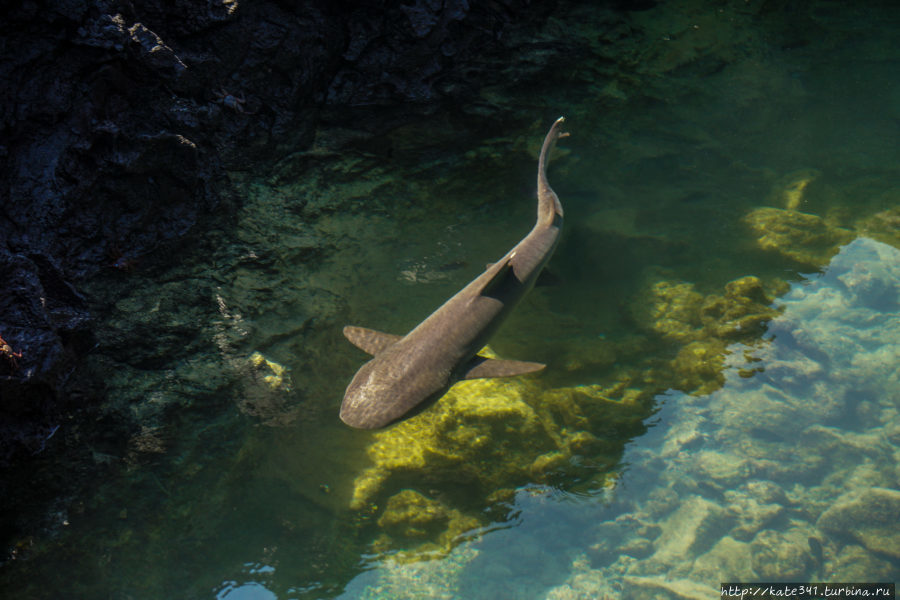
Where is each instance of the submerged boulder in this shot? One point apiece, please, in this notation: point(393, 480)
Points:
point(487, 437)
point(805, 238)
point(704, 325)
point(883, 226)
point(871, 517)
point(410, 517)
point(485, 433)
point(789, 191)
point(782, 555)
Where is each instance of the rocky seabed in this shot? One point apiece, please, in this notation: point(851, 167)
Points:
point(787, 475)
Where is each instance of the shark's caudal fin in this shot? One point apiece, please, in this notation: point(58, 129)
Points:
point(549, 208)
point(369, 340)
point(481, 367)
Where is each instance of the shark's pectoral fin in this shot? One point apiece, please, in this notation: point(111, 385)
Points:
point(369, 340)
point(481, 367)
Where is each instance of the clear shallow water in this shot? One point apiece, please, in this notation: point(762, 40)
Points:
point(677, 439)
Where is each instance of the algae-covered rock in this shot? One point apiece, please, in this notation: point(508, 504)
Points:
point(266, 390)
point(584, 583)
point(782, 555)
point(699, 366)
point(802, 237)
point(411, 516)
point(871, 517)
point(486, 437)
point(751, 514)
point(672, 310)
point(883, 226)
point(790, 189)
point(272, 374)
point(677, 312)
point(728, 560)
point(722, 467)
point(689, 529)
point(743, 309)
point(480, 433)
point(855, 563)
point(663, 588)
point(485, 434)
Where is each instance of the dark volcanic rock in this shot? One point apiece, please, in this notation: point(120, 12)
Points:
point(97, 168)
point(118, 121)
point(44, 325)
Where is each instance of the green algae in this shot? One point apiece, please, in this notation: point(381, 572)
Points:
point(488, 437)
point(790, 190)
point(805, 238)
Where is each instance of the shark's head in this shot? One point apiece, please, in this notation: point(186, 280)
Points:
point(382, 391)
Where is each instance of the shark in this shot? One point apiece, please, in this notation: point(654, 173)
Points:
point(408, 372)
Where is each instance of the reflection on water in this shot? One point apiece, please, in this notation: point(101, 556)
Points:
point(722, 394)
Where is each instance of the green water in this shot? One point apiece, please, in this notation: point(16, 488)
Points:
point(688, 429)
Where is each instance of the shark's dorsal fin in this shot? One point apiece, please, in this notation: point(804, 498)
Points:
point(544, 278)
point(497, 284)
point(369, 340)
point(481, 367)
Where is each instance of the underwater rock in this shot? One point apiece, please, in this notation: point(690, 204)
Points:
point(728, 560)
point(724, 468)
point(413, 516)
point(751, 514)
point(272, 374)
point(883, 226)
point(766, 492)
point(591, 353)
point(467, 432)
point(795, 373)
point(663, 588)
point(763, 409)
point(584, 583)
point(855, 563)
point(699, 365)
point(782, 555)
point(266, 387)
point(689, 530)
point(489, 435)
point(743, 310)
point(840, 442)
point(840, 320)
point(705, 325)
point(673, 308)
point(788, 191)
point(660, 501)
point(684, 434)
point(802, 237)
point(870, 516)
point(46, 324)
point(628, 535)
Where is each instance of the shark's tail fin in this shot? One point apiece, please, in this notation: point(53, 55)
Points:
point(549, 208)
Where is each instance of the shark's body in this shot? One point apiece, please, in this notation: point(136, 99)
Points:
point(406, 371)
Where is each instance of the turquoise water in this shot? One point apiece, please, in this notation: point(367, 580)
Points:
point(721, 399)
